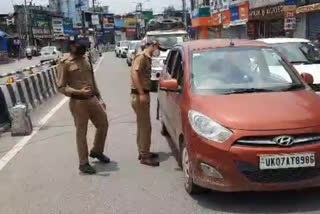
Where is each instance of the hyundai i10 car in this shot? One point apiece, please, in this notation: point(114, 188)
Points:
point(241, 116)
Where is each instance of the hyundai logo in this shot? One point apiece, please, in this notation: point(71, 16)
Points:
point(284, 140)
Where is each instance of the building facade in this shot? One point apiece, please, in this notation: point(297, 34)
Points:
point(254, 19)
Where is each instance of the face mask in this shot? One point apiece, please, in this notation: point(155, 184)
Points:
point(156, 53)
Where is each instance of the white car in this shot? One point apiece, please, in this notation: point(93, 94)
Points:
point(50, 53)
point(167, 39)
point(133, 46)
point(304, 55)
point(122, 49)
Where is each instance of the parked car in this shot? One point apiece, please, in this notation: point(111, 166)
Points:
point(50, 53)
point(133, 46)
point(303, 54)
point(122, 49)
point(241, 117)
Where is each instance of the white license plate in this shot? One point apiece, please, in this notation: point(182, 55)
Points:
point(285, 161)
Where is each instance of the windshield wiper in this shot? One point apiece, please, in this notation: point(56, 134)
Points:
point(247, 90)
point(293, 87)
point(301, 62)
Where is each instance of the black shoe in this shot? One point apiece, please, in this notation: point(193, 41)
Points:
point(100, 156)
point(152, 155)
point(149, 161)
point(87, 169)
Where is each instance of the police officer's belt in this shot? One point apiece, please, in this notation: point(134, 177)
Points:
point(79, 97)
point(135, 91)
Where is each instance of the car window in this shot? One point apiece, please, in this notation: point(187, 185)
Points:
point(177, 68)
point(225, 69)
point(170, 61)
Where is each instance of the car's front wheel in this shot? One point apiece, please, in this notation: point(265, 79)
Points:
point(190, 187)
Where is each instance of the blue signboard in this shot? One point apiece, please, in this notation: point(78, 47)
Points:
point(119, 23)
point(290, 2)
point(234, 13)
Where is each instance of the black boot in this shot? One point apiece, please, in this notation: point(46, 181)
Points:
point(152, 155)
point(87, 169)
point(100, 156)
point(147, 160)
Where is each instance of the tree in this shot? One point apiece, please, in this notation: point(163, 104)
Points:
point(169, 11)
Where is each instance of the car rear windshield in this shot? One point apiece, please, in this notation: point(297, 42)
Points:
point(299, 52)
point(47, 49)
point(228, 70)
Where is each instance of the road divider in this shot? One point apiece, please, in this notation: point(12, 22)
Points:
point(31, 91)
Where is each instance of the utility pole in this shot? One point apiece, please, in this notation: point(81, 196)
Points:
point(184, 9)
point(27, 21)
point(93, 5)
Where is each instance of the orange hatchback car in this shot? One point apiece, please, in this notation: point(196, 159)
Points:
point(241, 116)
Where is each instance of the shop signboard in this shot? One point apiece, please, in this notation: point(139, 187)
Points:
point(244, 11)
point(236, 2)
point(68, 26)
point(95, 19)
point(234, 13)
point(219, 6)
point(221, 19)
point(130, 23)
point(41, 26)
point(57, 27)
point(108, 21)
point(268, 12)
point(290, 20)
point(263, 3)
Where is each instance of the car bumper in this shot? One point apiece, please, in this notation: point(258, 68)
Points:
point(239, 167)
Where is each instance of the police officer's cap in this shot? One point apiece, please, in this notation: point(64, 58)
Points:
point(155, 42)
point(81, 42)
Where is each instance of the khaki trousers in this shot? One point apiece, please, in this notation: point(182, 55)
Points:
point(83, 111)
point(142, 111)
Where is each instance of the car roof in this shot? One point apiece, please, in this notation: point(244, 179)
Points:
point(166, 32)
point(135, 41)
point(283, 40)
point(221, 43)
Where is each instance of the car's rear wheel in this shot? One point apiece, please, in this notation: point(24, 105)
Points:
point(190, 187)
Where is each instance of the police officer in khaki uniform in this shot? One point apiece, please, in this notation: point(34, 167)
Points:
point(76, 80)
point(140, 89)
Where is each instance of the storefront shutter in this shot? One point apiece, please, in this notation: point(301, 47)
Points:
point(313, 25)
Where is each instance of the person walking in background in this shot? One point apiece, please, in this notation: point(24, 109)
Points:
point(76, 80)
point(140, 95)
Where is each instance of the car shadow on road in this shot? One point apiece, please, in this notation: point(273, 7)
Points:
point(105, 169)
point(261, 202)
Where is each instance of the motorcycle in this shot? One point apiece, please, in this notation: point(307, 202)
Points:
point(29, 53)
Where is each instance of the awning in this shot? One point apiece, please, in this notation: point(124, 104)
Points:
point(308, 8)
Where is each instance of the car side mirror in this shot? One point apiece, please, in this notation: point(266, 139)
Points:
point(170, 85)
point(308, 78)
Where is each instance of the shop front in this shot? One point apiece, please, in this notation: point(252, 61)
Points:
point(266, 22)
point(312, 14)
point(201, 22)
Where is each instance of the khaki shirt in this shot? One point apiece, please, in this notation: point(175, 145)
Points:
point(142, 65)
point(75, 74)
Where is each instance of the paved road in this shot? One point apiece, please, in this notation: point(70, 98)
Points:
point(43, 177)
point(19, 65)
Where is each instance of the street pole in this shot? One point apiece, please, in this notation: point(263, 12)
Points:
point(27, 22)
point(184, 8)
point(93, 5)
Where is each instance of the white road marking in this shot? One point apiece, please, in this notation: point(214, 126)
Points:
point(25, 140)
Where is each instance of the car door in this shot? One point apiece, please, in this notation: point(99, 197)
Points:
point(163, 95)
point(175, 98)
